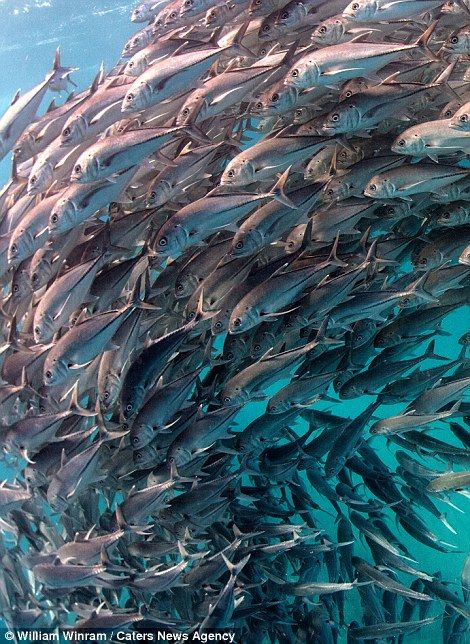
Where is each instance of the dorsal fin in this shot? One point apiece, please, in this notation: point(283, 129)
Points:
point(15, 97)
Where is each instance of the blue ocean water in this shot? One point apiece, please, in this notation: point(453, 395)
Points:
point(91, 32)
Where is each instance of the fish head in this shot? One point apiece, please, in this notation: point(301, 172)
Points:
point(453, 7)
point(74, 131)
point(260, 7)
point(465, 256)
point(87, 168)
point(43, 328)
point(216, 16)
point(291, 15)
point(350, 390)
point(449, 110)
point(40, 178)
point(21, 284)
point(25, 147)
point(247, 242)
point(429, 257)
point(453, 215)
point(143, 12)
point(56, 371)
point(243, 318)
point(173, 19)
point(192, 110)
point(137, 65)
point(63, 216)
point(239, 172)
point(40, 270)
point(295, 237)
point(20, 247)
point(191, 7)
point(380, 187)
point(361, 10)
point(461, 120)
point(458, 42)
point(303, 74)
point(268, 30)
point(142, 434)
point(410, 143)
point(161, 192)
point(346, 157)
point(233, 395)
point(109, 388)
point(329, 32)
point(343, 119)
point(341, 379)
point(139, 96)
point(334, 466)
point(278, 405)
point(336, 189)
point(172, 239)
point(148, 457)
point(363, 331)
point(352, 87)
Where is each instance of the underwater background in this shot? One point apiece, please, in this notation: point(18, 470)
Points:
point(91, 32)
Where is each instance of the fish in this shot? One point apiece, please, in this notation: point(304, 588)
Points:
point(235, 283)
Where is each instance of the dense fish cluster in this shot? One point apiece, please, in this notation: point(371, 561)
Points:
point(255, 222)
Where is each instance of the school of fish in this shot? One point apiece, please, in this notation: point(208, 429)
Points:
point(259, 216)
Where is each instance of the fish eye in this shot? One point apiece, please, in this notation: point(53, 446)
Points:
point(127, 47)
point(191, 315)
point(130, 97)
point(37, 330)
point(257, 347)
point(295, 73)
point(78, 169)
point(14, 248)
point(227, 399)
point(423, 261)
point(231, 173)
point(135, 440)
point(401, 143)
point(16, 288)
point(259, 105)
point(179, 287)
point(188, 3)
point(48, 374)
point(239, 245)
point(445, 215)
point(33, 179)
point(448, 113)
point(322, 30)
point(275, 97)
point(138, 456)
point(263, 50)
point(153, 195)
point(373, 187)
point(284, 15)
point(173, 15)
point(335, 118)
point(163, 241)
point(330, 192)
point(185, 112)
point(131, 64)
point(218, 325)
point(355, 6)
point(34, 277)
point(257, 3)
point(129, 407)
point(454, 40)
point(66, 131)
point(237, 322)
point(266, 28)
point(171, 459)
point(54, 218)
point(463, 118)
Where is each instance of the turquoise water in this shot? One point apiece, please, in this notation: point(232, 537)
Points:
point(91, 32)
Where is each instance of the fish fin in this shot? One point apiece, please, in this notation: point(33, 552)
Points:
point(278, 190)
point(431, 355)
point(15, 97)
point(418, 289)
